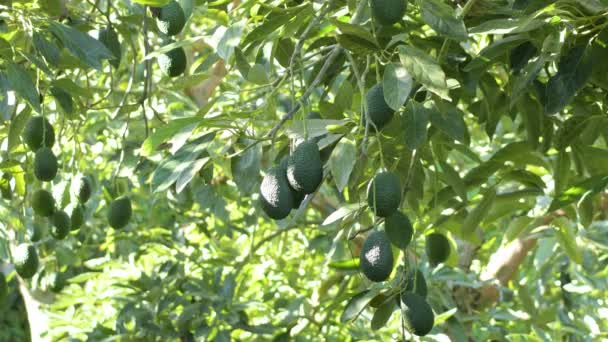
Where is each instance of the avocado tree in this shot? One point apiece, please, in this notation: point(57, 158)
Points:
point(191, 170)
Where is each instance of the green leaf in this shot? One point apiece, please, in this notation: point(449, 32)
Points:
point(510, 25)
point(22, 84)
point(475, 216)
point(414, 123)
point(397, 85)
point(561, 172)
point(345, 265)
point(64, 99)
point(257, 74)
point(82, 46)
point(241, 63)
point(424, 69)
point(356, 44)
point(572, 194)
point(166, 132)
point(449, 119)
point(152, 3)
point(229, 41)
point(47, 49)
point(452, 178)
point(442, 18)
point(566, 236)
point(16, 127)
point(272, 25)
point(344, 97)
point(342, 162)
point(526, 178)
point(585, 209)
point(356, 31)
point(490, 54)
point(573, 71)
point(517, 226)
point(170, 169)
point(246, 168)
point(383, 314)
point(356, 304)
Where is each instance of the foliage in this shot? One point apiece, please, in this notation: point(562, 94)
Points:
point(498, 141)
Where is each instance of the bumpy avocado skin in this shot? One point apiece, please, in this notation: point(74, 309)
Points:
point(437, 248)
point(388, 12)
point(61, 225)
point(43, 203)
point(399, 229)
point(417, 313)
point(120, 212)
point(45, 164)
point(376, 257)
point(304, 168)
point(26, 260)
point(378, 111)
point(173, 63)
point(275, 194)
point(35, 129)
point(171, 18)
point(384, 194)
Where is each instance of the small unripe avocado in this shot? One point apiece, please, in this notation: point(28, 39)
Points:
point(35, 129)
point(43, 203)
point(120, 212)
point(399, 229)
point(437, 248)
point(45, 164)
point(388, 12)
point(26, 260)
point(61, 225)
point(384, 194)
point(298, 196)
point(275, 194)
point(171, 18)
point(415, 282)
point(378, 111)
point(84, 189)
point(376, 257)
point(109, 39)
point(173, 63)
point(417, 313)
point(77, 217)
point(304, 168)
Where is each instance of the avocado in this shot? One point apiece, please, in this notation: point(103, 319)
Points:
point(45, 164)
point(378, 111)
point(417, 313)
point(437, 248)
point(388, 12)
point(415, 282)
point(171, 18)
point(43, 203)
point(26, 260)
point(61, 225)
point(36, 130)
point(77, 217)
point(109, 39)
point(84, 189)
point(298, 196)
point(275, 194)
point(376, 257)
point(304, 168)
point(384, 194)
point(119, 213)
point(399, 229)
point(173, 63)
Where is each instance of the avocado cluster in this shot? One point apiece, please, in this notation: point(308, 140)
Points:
point(285, 186)
point(171, 20)
point(39, 136)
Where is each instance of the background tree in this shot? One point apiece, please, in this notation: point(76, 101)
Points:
point(343, 169)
